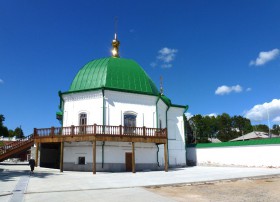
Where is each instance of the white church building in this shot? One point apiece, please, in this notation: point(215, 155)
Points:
point(113, 119)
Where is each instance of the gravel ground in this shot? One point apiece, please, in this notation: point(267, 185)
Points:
point(255, 190)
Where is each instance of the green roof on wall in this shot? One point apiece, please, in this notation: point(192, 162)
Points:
point(238, 143)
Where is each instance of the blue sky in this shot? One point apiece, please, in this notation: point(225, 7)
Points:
point(215, 56)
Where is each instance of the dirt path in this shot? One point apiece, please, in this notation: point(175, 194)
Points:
point(254, 190)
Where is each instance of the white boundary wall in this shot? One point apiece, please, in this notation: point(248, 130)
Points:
point(249, 156)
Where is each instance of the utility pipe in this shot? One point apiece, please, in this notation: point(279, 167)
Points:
point(103, 153)
point(157, 154)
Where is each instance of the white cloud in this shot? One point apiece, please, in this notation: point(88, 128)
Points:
point(188, 115)
point(165, 66)
point(165, 57)
point(265, 57)
point(276, 120)
point(262, 112)
point(1, 81)
point(248, 89)
point(212, 114)
point(167, 54)
point(228, 89)
point(153, 64)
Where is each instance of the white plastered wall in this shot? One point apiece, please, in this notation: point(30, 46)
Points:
point(176, 137)
point(90, 103)
point(120, 103)
point(116, 105)
point(252, 156)
point(114, 152)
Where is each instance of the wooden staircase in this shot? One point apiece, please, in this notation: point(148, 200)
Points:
point(16, 147)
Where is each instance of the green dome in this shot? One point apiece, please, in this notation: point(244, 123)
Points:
point(113, 73)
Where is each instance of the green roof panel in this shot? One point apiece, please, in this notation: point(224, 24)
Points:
point(113, 73)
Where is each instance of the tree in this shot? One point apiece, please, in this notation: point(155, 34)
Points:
point(262, 128)
point(199, 127)
point(225, 127)
point(18, 132)
point(275, 129)
point(2, 119)
point(3, 130)
point(189, 134)
point(242, 124)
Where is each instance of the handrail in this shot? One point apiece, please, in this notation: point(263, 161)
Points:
point(98, 130)
point(15, 144)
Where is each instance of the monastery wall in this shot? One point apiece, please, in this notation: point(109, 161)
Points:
point(259, 155)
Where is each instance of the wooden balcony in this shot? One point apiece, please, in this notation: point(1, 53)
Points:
point(100, 133)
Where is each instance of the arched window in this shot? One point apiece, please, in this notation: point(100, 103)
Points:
point(83, 123)
point(129, 123)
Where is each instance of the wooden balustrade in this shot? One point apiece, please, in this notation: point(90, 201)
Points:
point(99, 130)
point(16, 143)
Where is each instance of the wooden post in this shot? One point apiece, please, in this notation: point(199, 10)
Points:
point(94, 129)
point(61, 156)
point(165, 158)
point(94, 157)
point(120, 129)
point(72, 130)
point(35, 133)
point(37, 154)
point(52, 131)
point(133, 157)
point(144, 131)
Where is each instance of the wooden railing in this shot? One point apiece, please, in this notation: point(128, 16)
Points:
point(101, 130)
point(15, 146)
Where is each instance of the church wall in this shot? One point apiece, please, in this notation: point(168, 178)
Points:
point(119, 103)
point(114, 156)
point(162, 107)
point(176, 137)
point(84, 102)
point(116, 105)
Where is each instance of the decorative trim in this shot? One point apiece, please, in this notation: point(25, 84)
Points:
point(81, 96)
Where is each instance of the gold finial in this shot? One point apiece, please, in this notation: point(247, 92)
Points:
point(115, 42)
point(161, 87)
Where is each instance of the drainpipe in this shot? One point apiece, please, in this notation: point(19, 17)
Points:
point(157, 126)
point(186, 109)
point(61, 106)
point(157, 154)
point(103, 153)
point(167, 133)
point(104, 111)
point(157, 110)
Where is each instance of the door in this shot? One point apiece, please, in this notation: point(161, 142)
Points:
point(128, 161)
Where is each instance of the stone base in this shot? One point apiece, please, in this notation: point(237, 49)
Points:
point(110, 167)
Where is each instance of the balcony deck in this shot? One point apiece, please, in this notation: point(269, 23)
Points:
point(95, 133)
point(100, 133)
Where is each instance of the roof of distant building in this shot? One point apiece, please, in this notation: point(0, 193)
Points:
point(252, 135)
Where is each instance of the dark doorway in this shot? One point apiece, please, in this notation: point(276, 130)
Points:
point(128, 161)
point(50, 155)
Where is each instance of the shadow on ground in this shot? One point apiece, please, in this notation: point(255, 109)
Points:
point(12, 175)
